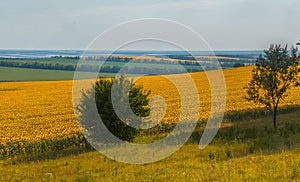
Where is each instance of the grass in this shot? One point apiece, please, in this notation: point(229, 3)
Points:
point(27, 74)
point(249, 150)
point(185, 165)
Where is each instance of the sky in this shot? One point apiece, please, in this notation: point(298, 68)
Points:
point(73, 24)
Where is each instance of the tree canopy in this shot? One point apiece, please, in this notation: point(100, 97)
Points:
point(102, 93)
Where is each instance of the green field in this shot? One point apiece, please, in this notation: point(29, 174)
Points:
point(27, 74)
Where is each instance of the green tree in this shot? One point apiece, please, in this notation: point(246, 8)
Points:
point(274, 73)
point(102, 93)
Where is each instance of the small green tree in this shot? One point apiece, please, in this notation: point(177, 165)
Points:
point(102, 93)
point(272, 76)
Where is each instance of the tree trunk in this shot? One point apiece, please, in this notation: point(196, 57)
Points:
point(274, 117)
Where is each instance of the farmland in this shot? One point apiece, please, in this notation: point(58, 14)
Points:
point(112, 64)
point(28, 74)
point(43, 110)
point(37, 117)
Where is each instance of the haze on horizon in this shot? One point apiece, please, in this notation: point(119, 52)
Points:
point(73, 24)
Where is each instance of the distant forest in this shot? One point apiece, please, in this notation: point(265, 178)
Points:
point(114, 63)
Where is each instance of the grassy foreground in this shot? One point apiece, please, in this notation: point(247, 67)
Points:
point(241, 151)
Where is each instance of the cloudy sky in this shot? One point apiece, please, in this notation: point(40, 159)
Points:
point(73, 24)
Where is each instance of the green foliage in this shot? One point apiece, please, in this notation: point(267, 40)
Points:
point(273, 75)
point(102, 93)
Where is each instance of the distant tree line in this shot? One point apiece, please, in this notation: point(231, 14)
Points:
point(236, 65)
point(38, 65)
point(93, 68)
point(226, 62)
point(67, 63)
point(46, 58)
point(176, 59)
